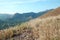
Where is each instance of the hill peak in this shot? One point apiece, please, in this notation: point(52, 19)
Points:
point(58, 8)
point(53, 12)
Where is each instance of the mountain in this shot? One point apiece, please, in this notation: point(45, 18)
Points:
point(26, 16)
point(53, 12)
point(17, 19)
point(36, 29)
point(5, 16)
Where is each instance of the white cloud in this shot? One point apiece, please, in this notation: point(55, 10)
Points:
point(18, 1)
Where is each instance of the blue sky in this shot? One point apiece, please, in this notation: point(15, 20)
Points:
point(23, 6)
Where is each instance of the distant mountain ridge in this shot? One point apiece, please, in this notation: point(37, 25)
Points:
point(26, 16)
point(17, 18)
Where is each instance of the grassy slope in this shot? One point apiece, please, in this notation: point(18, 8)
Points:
point(37, 29)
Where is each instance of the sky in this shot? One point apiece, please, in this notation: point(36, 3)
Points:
point(23, 6)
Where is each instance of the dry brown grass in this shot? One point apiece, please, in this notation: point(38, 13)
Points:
point(37, 29)
point(23, 32)
point(49, 28)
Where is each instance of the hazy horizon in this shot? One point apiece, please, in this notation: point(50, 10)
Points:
point(24, 6)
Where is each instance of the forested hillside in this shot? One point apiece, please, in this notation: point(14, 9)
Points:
point(16, 19)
